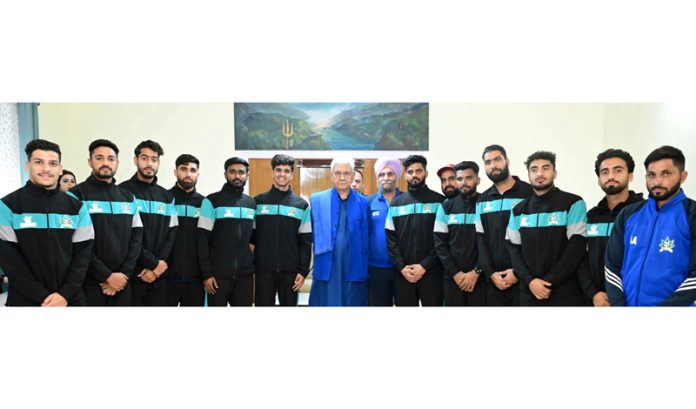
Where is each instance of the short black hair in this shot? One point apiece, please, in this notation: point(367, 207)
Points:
point(467, 164)
point(415, 159)
point(102, 142)
point(281, 159)
point(541, 155)
point(615, 153)
point(494, 147)
point(186, 158)
point(234, 160)
point(150, 144)
point(667, 152)
point(42, 145)
point(67, 172)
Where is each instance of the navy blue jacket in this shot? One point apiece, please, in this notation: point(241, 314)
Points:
point(379, 253)
point(649, 255)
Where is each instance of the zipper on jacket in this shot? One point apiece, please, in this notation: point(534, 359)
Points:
point(645, 257)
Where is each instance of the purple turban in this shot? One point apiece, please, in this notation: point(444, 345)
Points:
point(393, 163)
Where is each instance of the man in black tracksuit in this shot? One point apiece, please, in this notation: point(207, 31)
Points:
point(224, 231)
point(159, 218)
point(455, 241)
point(282, 238)
point(492, 218)
point(409, 228)
point(45, 236)
point(546, 238)
point(117, 228)
point(614, 169)
point(184, 280)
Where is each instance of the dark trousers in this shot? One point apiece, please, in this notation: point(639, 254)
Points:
point(268, 284)
point(381, 286)
point(454, 297)
point(16, 299)
point(237, 292)
point(96, 298)
point(428, 290)
point(185, 293)
point(149, 294)
point(504, 298)
point(527, 299)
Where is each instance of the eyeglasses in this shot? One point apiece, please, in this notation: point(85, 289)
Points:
point(340, 175)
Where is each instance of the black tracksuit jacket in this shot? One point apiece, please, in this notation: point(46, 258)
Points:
point(409, 229)
point(282, 234)
point(600, 221)
point(183, 260)
point(46, 241)
point(224, 233)
point(492, 218)
point(455, 235)
point(118, 230)
point(158, 214)
point(546, 238)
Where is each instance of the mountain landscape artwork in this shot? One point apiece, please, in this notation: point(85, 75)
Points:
point(331, 126)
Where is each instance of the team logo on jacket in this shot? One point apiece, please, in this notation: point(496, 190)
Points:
point(634, 241)
point(291, 213)
point(95, 208)
point(524, 222)
point(427, 209)
point(452, 219)
point(250, 214)
point(264, 210)
point(667, 245)
point(197, 213)
point(593, 230)
point(160, 208)
point(125, 208)
point(487, 207)
point(402, 211)
point(553, 219)
point(28, 223)
point(375, 213)
point(228, 213)
point(66, 223)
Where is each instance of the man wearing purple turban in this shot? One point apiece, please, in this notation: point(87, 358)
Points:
point(379, 265)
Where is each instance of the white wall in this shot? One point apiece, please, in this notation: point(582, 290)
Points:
point(203, 130)
point(9, 149)
point(641, 128)
point(575, 132)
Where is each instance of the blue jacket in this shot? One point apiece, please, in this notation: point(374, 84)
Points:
point(648, 260)
point(379, 253)
point(324, 211)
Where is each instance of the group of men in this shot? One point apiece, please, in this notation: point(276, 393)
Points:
point(517, 243)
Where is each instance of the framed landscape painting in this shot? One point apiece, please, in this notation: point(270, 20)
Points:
point(331, 126)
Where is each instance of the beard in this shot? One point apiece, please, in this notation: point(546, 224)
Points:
point(186, 185)
point(668, 193)
point(387, 187)
point(504, 173)
point(542, 186)
point(451, 193)
point(415, 184)
point(237, 183)
point(612, 190)
point(105, 173)
point(141, 172)
point(467, 191)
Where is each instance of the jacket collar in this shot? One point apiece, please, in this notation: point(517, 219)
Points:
point(40, 191)
point(234, 191)
point(93, 180)
point(136, 180)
